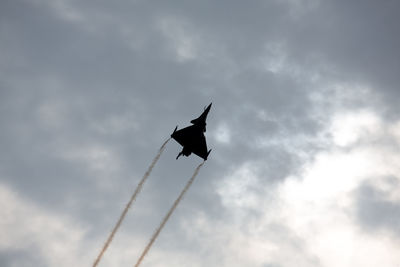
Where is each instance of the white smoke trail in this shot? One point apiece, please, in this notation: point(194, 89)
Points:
point(164, 221)
point(132, 199)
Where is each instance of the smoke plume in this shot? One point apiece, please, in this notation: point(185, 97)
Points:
point(164, 221)
point(132, 199)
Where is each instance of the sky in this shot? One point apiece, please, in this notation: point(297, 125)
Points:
point(304, 127)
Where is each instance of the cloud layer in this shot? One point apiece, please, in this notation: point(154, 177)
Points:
point(304, 129)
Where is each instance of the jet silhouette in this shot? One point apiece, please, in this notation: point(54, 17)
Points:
point(192, 137)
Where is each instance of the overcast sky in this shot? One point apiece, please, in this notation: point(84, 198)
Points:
point(304, 127)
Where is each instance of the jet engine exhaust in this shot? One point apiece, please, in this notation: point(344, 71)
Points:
point(132, 199)
point(164, 221)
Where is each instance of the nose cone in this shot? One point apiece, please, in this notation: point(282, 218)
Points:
point(201, 120)
point(205, 112)
point(208, 108)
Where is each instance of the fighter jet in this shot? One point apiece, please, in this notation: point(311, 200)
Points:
point(192, 137)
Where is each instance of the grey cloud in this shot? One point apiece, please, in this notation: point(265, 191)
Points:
point(16, 257)
point(80, 78)
point(355, 39)
point(375, 211)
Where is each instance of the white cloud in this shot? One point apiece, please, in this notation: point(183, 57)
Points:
point(299, 8)
point(100, 161)
point(310, 220)
point(56, 239)
point(182, 41)
point(222, 134)
point(318, 204)
point(64, 10)
point(350, 127)
point(237, 189)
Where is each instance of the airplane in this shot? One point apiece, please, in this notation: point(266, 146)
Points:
point(192, 138)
